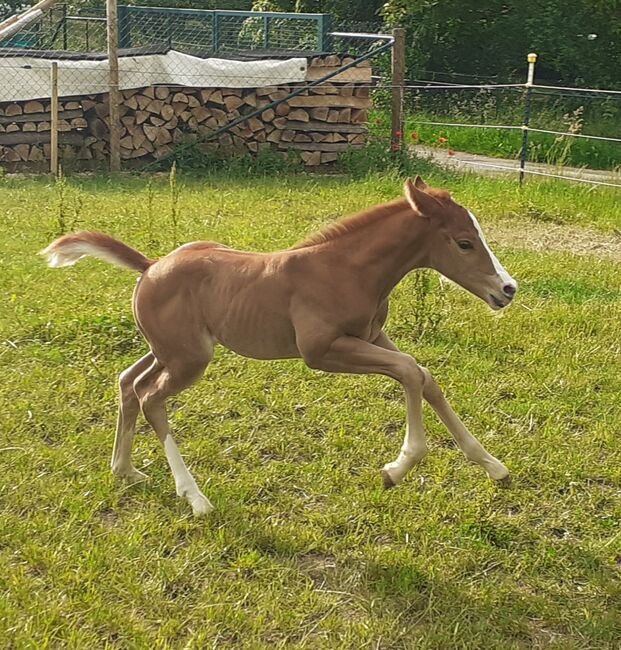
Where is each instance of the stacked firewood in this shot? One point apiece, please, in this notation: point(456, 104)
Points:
point(25, 129)
point(318, 124)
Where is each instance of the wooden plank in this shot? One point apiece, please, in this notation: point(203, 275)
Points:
point(40, 117)
point(325, 89)
point(321, 146)
point(336, 101)
point(356, 74)
point(324, 126)
point(73, 137)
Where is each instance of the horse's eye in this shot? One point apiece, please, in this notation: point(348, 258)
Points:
point(464, 244)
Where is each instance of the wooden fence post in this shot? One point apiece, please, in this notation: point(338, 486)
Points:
point(54, 119)
point(113, 83)
point(398, 77)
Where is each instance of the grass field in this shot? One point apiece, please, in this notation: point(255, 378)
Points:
point(305, 549)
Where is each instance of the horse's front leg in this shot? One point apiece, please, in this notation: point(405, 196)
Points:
point(348, 354)
point(471, 447)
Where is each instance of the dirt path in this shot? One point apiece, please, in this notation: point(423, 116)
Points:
point(553, 237)
point(463, 161)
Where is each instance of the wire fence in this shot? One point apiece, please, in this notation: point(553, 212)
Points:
point(221, 81)
point(562, 126)
point(243, 81)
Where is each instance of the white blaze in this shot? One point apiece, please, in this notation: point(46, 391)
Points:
point(498, 267)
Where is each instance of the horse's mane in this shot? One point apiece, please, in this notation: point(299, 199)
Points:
point(361, 219)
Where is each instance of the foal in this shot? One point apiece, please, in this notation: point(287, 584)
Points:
point(324, 300)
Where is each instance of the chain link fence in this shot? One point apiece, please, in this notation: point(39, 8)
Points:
point(216, 81)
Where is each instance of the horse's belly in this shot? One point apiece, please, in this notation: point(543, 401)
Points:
point(259, 334)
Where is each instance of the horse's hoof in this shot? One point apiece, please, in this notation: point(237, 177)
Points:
point(386, 480)
point(201, 506)
point(505, 481)
point(131, 475)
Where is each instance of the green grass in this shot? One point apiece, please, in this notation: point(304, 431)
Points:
point(305, 549)
point(507, 143)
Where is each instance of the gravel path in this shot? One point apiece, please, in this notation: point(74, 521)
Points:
point(474, 162)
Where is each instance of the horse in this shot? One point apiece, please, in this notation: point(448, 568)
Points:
point(325, 301)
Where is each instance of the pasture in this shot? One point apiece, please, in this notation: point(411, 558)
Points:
point(305, 549)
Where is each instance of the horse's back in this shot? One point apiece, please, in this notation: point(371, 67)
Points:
point(241, 298)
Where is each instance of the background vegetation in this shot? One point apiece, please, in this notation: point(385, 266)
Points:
point(475, 38)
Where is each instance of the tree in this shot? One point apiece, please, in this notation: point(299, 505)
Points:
point(493, 37)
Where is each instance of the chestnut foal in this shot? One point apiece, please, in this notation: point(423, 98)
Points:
point(324, 300)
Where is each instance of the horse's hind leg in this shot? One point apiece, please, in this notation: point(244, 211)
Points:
point(128, 412)
point(153, 388)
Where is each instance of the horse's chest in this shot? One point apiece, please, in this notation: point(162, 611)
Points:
point(368, 326)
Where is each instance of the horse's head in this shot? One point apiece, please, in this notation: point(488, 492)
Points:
point(457, 246)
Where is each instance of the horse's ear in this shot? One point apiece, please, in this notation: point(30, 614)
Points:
point(421, 202)
point(420, 183)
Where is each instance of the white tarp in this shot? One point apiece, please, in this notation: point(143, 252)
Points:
point(23, 78)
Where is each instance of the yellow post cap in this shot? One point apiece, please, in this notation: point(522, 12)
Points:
point(532, 57)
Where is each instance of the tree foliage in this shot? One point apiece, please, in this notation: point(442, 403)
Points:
point(578, 41)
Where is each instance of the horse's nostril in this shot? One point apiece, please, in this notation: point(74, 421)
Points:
point(509, 290)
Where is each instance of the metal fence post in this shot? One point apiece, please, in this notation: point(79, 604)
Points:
point(124, 26)
point(266, 32)
point(216, 32)
point(532, 59)
point(64, 19)
point(324, 29)
point(398, 76)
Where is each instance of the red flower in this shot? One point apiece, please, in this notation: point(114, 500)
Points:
point(414, 135)
point(395, 146)
point(378, 120)
point(451, 152)
point(399, 134)
point(441, 140)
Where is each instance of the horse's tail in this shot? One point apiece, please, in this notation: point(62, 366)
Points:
point(67, 250)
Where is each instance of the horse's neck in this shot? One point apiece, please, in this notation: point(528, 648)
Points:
point(386, 249)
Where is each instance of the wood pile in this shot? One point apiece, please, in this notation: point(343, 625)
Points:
point(318, 124)
point(25, 129)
